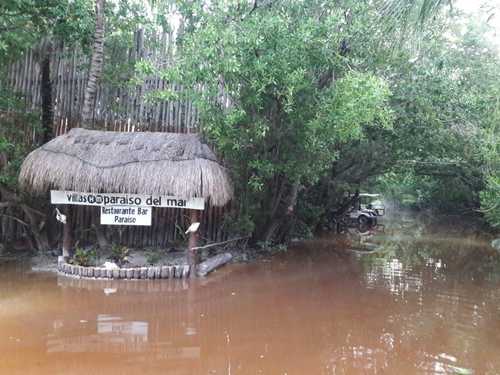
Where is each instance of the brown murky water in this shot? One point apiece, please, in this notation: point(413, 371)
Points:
point(427, 305)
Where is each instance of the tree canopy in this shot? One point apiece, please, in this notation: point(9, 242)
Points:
point(303, 100)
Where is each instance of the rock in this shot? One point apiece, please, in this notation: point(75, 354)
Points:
point(111, 266)
point(496, 244)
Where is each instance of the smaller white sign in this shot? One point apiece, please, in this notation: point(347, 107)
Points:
point(126, 215)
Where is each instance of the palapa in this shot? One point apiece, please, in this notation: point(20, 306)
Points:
point(140, 162)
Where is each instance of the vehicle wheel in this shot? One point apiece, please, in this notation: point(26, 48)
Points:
point(363, 220)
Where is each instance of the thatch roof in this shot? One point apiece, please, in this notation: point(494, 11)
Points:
point(142, 163)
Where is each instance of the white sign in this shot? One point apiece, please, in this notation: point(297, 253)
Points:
point(133, 200)
point(126, 215)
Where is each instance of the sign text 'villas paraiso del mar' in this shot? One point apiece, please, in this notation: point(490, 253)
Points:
point(125, 209)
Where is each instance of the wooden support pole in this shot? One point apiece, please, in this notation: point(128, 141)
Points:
point(67, 249)
point(192, 255)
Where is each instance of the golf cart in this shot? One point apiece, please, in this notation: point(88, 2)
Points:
point(366, 209)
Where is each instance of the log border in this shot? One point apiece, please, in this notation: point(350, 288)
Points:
point(179, 271)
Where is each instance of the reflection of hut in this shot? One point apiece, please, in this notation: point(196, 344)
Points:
point(141, 163)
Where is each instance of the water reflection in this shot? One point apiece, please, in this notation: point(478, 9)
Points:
point(410, 305)
point(112, 334)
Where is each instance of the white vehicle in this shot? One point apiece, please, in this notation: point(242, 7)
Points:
point(367, 210)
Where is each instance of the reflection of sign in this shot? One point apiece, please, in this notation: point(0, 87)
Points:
point(114, 335)
point(126, 215)
point(137, 200)
point(114, 325)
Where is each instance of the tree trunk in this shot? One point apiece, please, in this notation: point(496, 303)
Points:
point(46, 95)
point(96, 66)
point(36, 220)
point(281, 213)
point(38, 229)
point(67, 249)
point(193, 242)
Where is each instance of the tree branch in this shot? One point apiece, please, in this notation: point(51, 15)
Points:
point(16, 219)
point(6, 204)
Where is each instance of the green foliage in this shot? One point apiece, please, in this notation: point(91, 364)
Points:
point(153, 257)
point(84, 257)
point(317, 98)
point(119, 254)
point(294, 97)
point(123, 19)
point(325, 96)
point(301, 230)
point(13, 133)
point(22, 21)
point(238, 224)
point(271, 248)
point(445, 103)
point(490, 201)
point(25, 22)
point(400, 186)
point(356, 100)
point(74, 22)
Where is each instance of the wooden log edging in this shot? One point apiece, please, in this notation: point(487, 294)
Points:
point(137, 273)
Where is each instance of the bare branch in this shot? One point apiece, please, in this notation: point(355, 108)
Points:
point(220, 243)
point(16, 219)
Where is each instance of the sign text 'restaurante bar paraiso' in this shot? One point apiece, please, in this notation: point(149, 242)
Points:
point(126, 215)
point(134, 200)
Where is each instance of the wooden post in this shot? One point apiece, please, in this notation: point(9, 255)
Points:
point(67, 249)
point(192, 255)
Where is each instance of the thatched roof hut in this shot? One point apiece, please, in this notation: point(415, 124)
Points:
point(141, 163)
